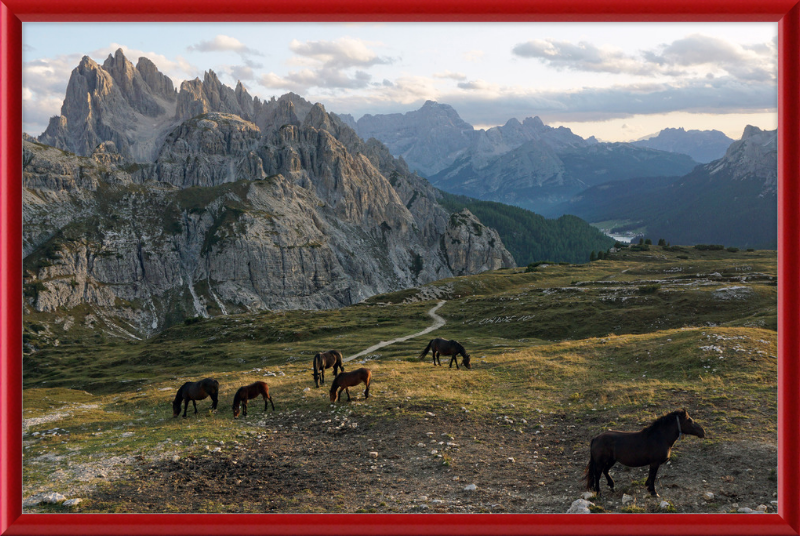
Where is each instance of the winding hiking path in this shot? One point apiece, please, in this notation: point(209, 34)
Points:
point(438, 322)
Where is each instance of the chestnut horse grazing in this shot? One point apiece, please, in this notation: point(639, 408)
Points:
point(444, 347)
point(350, 379)
point(248, 392)
point(650, 446)
point(195, 391)
point(323, 360)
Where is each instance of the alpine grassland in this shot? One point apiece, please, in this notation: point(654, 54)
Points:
point(559, 353)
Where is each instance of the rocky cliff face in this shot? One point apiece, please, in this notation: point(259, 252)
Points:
point(133, 107)
point(753, 157)
point(702, 145)
point(285, 208)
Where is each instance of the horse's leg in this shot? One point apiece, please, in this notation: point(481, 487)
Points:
point(366, 391)
point(265, 401)
point(651, 479)
point(195, 406)
point(271, 403)
point(185, 406)
point(347, 390)
point(244, 407)
point(322, 375)
point(609, 480)
point(339, 394)
point(598, 471)
point(214, 400)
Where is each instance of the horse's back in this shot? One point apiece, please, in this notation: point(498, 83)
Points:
point(628, 448)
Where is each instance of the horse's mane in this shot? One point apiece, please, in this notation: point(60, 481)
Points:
point(460, 347)
point(665, 420)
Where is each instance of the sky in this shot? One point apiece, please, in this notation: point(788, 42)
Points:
point(614, 81)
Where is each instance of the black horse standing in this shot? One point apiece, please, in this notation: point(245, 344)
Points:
point(323, 360)
point(441, 346)
point(650, 446)
point(195, 391)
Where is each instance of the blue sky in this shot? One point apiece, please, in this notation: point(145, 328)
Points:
point(617, 81)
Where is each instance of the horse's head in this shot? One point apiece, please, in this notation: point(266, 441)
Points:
point(176, 407)
point(316, 378)
point(465, 361)
point(688, 426)
point(236, 409)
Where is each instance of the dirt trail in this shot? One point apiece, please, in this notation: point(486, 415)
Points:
point(438, 322)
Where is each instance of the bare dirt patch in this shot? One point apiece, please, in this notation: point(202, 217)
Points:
point(345, 461)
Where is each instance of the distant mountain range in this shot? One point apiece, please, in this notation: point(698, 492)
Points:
point(528, 163)
point(730, 201)
point(702, 145)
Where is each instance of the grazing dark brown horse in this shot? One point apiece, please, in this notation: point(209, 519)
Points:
point(445, 347)
point(323, 360)
point(650, 446)
point(195, 391)
point(350, 379)
point(248, 392)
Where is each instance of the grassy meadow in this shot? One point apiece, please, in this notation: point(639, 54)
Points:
point(609, 344)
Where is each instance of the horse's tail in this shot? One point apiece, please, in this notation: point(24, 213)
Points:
point(317, 366)
point(589, 472)
point(213, 392)
point(425, 351)
point(368, 381)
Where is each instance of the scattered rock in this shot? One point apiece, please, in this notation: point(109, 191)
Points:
point(176, 458)
point(664, 505)
point(580, 506)
point(471, 487)
point(587, 495)
point(761, 508)
point(373, 454)
point(73, 502)
point(627, 499)
point(510, 459)
point(429, 414)
point(708, 496)
point(44, 498)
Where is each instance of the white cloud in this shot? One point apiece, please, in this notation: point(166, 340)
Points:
point(473, 55)
point(339, 54)
point(224, 43)
point(681, 58)
point(451, 75)
point(325, 65)
point(479, 85)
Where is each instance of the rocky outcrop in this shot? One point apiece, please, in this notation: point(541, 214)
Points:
point(132, 107)
point(470, 245)
point(753, 157)
point(244, 205)
point(228, 220)
point(702, 145)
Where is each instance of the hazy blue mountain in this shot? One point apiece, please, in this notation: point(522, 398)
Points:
point(702, 145)
point(730, 201)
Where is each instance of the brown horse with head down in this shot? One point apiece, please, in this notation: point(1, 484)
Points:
point(195, 391)
point(323, 360)
point(650, 446)
point(350, 379)
point(445, 347)
point(248, 392)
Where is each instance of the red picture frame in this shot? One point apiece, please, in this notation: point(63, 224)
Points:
point(14, 12)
